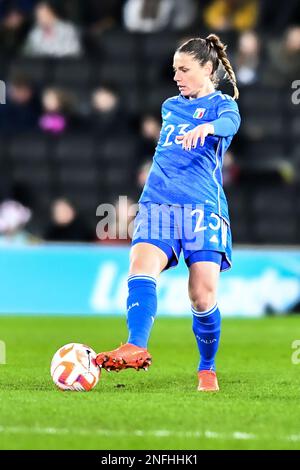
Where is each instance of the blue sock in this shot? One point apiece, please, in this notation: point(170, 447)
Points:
point(207, 329)
point(141, 308)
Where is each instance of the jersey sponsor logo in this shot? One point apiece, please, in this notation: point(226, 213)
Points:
point(199, 113)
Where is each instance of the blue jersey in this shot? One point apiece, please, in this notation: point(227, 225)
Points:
point(178, 176)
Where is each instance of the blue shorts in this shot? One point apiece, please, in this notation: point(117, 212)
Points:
point(201, 234)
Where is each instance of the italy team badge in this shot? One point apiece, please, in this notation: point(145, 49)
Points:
point(198, 114)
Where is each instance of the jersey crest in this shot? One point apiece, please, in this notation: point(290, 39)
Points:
point(199, 113)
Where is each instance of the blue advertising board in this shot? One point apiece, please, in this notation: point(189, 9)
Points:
point(91, 280)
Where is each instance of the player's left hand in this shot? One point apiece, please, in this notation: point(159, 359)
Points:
point(190, 139)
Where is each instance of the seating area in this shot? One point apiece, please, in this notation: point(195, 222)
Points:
point(91, 167)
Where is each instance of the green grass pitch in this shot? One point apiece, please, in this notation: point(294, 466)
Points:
point(258, 406)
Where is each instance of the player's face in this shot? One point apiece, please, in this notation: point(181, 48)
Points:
point(191, 77)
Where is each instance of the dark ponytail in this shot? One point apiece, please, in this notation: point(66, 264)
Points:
point(211, 48)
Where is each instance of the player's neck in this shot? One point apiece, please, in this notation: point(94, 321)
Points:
point(205, 90)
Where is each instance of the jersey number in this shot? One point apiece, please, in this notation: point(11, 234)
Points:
point(198, 227)
point(199, 221)
point(180, 130)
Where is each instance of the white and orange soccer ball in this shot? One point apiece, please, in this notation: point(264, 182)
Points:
point(74, 367)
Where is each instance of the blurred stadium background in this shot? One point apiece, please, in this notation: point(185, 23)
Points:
point(84, 84)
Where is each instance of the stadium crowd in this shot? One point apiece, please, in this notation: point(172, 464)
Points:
point(84, 86)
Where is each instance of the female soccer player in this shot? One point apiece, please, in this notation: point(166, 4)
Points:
point(183, 207)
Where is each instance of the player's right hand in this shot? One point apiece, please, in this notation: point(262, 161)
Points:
point(190, 139)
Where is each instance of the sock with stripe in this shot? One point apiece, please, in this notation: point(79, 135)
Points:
point(207, 329)
point(141, 308)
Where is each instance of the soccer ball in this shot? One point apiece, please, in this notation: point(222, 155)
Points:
point(74, 367)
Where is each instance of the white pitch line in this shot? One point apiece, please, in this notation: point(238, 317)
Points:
point(161, 433)
point(243, 436)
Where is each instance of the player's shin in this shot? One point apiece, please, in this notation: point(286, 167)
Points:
point(141, 308)
point(207, 328)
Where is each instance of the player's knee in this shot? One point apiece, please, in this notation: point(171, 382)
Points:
point(202, 301)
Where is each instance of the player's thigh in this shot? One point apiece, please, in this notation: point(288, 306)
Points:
point(203, 284)
point(146, 258)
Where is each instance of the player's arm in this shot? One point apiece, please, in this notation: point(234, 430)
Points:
point(225, 125)
point(228, 120)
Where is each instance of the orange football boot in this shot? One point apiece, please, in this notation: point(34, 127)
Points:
point(208, 381)
point(125, 357)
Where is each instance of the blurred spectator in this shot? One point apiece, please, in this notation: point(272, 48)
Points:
point(22, 109)
point(150, 131)
point(141, 178)
point(51, 36)
point(58, 111)
point(230, 170)
point(13, 219)
point(107, 115)
point(247, 60)
point(14, 25)
point(284, 64)
point(66, 225)
point(151, 16)
point(143, 173)
point(231, 15)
